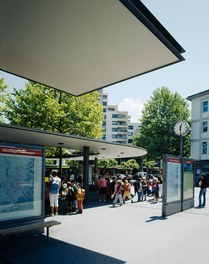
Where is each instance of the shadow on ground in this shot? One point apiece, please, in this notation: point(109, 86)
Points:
point(156, 218)
point(37, 250)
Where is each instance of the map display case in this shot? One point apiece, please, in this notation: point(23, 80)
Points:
point(21, 182)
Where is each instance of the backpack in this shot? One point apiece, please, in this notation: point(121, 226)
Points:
point(54, 187)
point(71, 195)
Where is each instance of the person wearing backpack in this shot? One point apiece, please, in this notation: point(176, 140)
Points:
point(71, 197)
point(54, 187)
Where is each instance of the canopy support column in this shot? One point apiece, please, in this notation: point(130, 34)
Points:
point(86, 171)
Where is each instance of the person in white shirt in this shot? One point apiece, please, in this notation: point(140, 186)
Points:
point(54, 187)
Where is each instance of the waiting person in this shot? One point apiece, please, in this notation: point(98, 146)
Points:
point(140, 191)
point(64, 190)
point(144, 189)
point(155, 189)
point(127, 188)
point(102, 185)
point(71, 197)
point(80, 198)
point(203, 184)
point(118, 193)
point(54, 187)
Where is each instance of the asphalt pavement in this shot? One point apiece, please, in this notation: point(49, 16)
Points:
point(134, 233)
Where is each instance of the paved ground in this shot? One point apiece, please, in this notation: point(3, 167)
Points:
point(134, 233)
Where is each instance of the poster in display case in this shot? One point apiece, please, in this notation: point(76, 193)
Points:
point(188, 170)
point(173, 179)
point(21, 182)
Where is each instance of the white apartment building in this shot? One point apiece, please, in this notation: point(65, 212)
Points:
point(199, 125)
point(200, 133)
point(116, 125)
point(133, 128)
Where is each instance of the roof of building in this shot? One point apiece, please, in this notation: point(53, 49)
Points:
point(81, 46)
point(206, 92)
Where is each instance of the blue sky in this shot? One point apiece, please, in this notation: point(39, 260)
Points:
point(187, 21)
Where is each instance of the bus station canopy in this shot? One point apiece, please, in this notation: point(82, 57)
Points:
point(83, 45)
point(97, 148)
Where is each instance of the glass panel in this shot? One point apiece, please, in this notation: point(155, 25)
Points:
point(188, 180)
point(173, 180)
point(20, 182)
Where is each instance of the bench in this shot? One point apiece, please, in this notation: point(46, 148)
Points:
point(28, 227)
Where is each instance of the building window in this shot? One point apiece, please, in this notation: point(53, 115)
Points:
point(114, 116)
point(104, 96)
point(111, 109)
point(104, 110)
point(204, 148)
point(130, 127)
point(114, 123)
point(104, 103)
point(205, 126)
point(130, 140)
point(130, 134)
point(205, 106)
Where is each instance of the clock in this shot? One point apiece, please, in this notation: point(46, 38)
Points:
point(181, 128)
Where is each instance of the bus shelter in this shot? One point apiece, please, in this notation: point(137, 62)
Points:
point(22, 161)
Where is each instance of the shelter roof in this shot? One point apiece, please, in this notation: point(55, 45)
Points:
point(83, 45)
point(97, 148)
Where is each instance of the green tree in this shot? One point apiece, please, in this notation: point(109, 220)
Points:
point(130, 165)
point(3, 88)
point(105, 164)
point(160, 114)
point(42, 107)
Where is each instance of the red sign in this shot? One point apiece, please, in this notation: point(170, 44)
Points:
point(21, 151)
point(174, 160)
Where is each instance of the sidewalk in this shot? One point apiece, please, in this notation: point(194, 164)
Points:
point(134, 233)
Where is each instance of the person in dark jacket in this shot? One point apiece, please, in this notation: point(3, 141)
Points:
point(203, 187)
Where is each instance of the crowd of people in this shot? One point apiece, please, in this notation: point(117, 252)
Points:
point(110, 188)
point(72, 194)
point(122, 190)
point(70, 191)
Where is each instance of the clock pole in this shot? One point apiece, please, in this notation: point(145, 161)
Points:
point(182, 171)
point(181, 129)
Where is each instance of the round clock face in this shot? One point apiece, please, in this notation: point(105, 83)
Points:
point(181, 128)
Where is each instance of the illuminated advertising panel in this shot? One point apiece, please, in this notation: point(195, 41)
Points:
point(21, 177)
point(173, 179)
point(188, 179)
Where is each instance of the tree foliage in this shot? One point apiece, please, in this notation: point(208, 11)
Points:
point(130, 165)
point(3, 88)
point(160, 114)
point(105, 164)
point(42, 107)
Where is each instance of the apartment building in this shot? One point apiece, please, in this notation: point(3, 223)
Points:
point(117, 125)
point(200, 130)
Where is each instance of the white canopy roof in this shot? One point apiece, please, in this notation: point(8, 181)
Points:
point(101, 149)
point(83, 45)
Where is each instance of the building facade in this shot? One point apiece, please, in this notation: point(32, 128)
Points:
point(117, 126)
point(200, 131)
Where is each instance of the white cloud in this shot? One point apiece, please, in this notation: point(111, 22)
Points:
point(133, 106)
